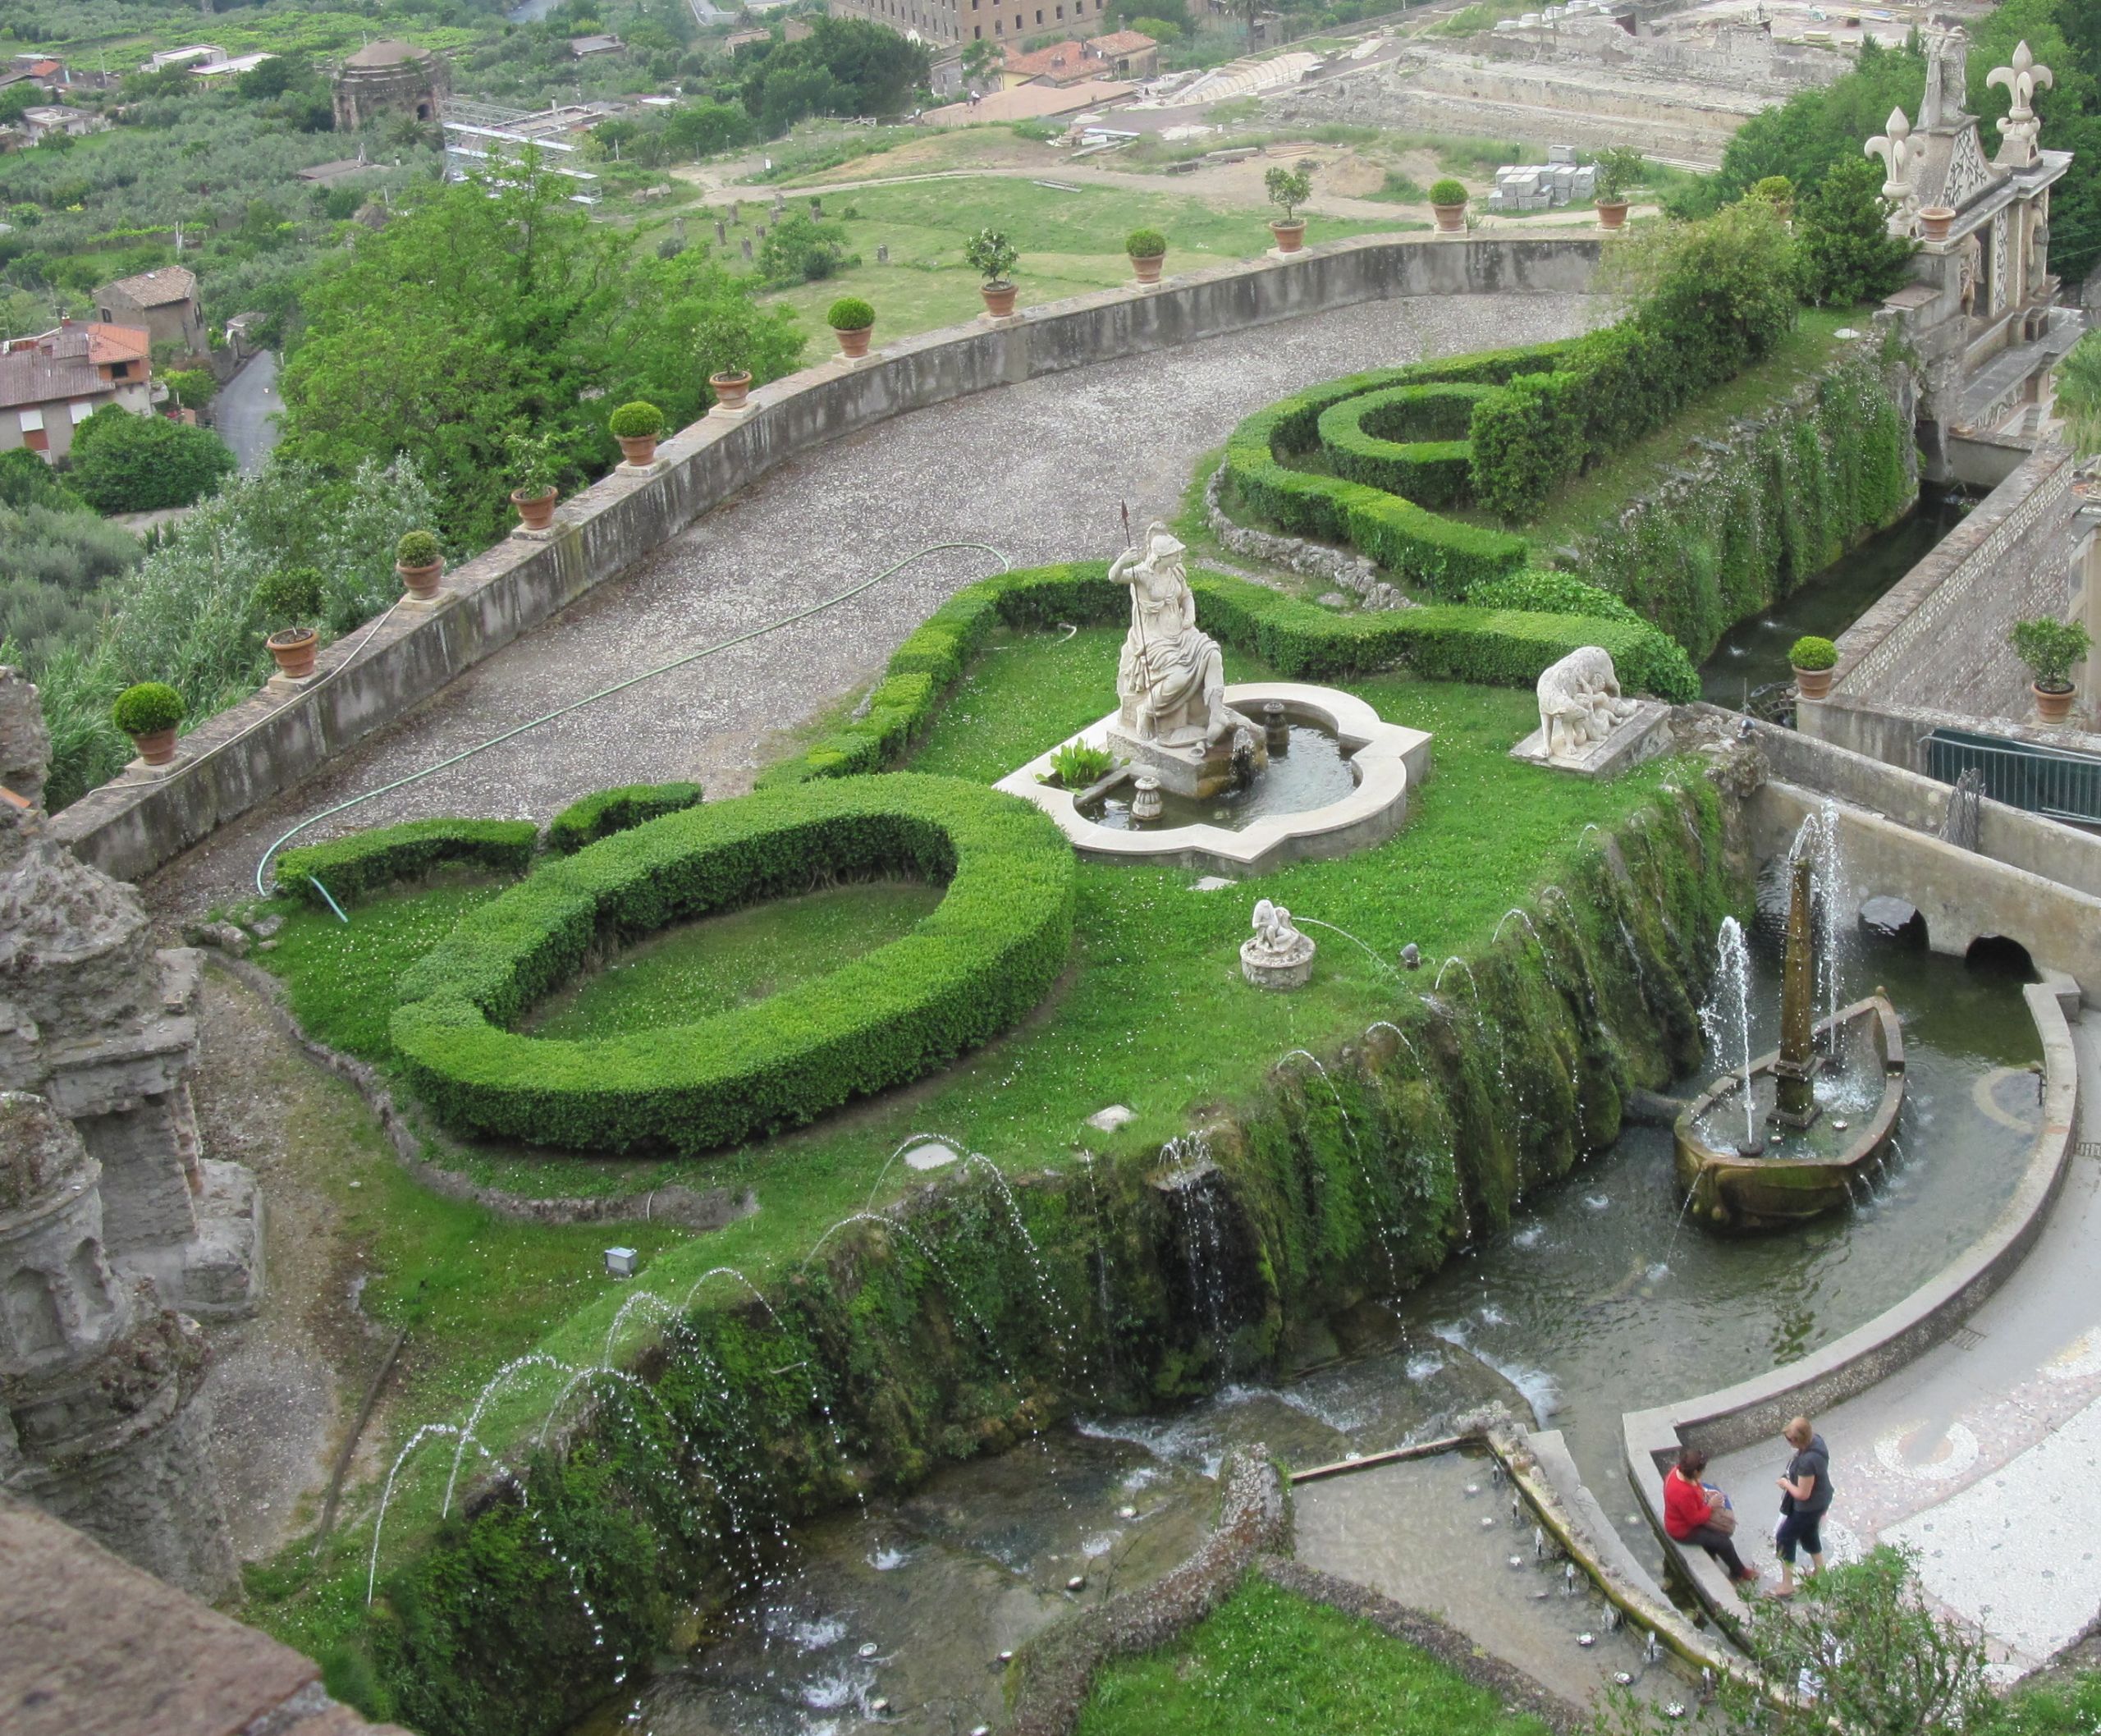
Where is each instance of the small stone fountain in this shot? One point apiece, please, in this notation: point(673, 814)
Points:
point(1793, 1160)
point(1276, 955)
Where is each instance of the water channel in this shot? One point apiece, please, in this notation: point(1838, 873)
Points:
point(1596, 1300)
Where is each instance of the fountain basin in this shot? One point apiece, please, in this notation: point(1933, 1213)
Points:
point(1382, 760)
point(1728, 1191)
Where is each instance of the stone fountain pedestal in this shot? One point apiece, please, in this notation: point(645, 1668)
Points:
point(1192, 769)
point(1290, 969)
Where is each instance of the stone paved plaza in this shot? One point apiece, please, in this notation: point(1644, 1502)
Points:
point(1036, 470)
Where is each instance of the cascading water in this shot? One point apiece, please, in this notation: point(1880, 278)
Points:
point(1363, 1168)
point(1203, 1236)
point(1725, 1016)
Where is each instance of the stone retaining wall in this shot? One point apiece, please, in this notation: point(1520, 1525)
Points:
point(141, 820)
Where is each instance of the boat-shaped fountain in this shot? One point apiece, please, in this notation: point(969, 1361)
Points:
point(1796, 1133)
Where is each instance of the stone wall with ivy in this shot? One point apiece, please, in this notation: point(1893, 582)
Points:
point(972, 1318)
point(1768, 505)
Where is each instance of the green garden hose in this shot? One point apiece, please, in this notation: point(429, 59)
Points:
point(262, 862)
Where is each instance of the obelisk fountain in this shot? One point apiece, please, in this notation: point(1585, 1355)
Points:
point(1794, 1103)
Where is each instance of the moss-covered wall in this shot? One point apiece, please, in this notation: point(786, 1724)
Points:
point(934, 1336)
point(1781, 498)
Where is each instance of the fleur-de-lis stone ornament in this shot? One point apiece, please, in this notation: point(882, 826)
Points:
point(1894, 146)
point(2021, 128)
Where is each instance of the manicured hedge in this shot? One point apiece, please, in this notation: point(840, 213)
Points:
point(610, 811)
point(983, 959)
point(367, 862)
point(1504, 643)
point(1407, 539)
point(1408, 440)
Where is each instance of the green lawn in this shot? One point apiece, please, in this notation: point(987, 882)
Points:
point(1267, 1660)
point(1070, 242)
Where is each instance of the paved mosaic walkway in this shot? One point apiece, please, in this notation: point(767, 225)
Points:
point(1036, 469)
point(1984, 1455)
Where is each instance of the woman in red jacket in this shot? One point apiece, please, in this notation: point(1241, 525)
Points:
point(1689, 1509)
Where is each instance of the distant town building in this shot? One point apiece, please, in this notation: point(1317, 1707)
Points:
point(389, 78)
point(1126, 54)
point(212, 72)
point(939, 22)
point(327, 174)
point(163, 301)
point(41, 123)
point(50, 383)
point(737, 39)
point(584, 47)
point(197, 54)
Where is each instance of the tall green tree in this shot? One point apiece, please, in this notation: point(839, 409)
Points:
point(498, 306)
point(1848, 254)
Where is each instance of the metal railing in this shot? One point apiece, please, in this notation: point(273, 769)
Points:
point(2049, 781)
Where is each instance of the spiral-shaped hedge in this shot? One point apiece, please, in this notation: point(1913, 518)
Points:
point(978, 962)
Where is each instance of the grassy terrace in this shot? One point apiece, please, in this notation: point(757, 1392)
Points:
point(1071, 242)
point(1152, 1014)
point(1266, 1660)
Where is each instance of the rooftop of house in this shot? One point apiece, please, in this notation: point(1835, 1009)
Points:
point(63, 364)
point(1121, 42)
point(153, 289)
point(580, 46)
point(1060, 59)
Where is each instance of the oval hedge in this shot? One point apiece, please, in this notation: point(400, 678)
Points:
point(600, 816)
point(971, 968)
point(354, 867)
point(1408, 440)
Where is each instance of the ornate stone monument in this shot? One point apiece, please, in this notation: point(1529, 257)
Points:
point(1980, 311)
point(1276, 955)
point(1172, 718)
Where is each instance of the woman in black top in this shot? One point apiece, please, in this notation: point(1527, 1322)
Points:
point(1804, 1498)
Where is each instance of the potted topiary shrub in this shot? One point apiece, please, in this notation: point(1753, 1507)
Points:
point(1448, 203)
point(289, 602)
point(420, 562)
point(149, 713)
point(993, 257)
point(2049, 647)
point(536, 464)
point(1148, 249)
point(852, 322)
point(1617, 173)
point(1288, 188)
point(1813, 660)
point(637, 427)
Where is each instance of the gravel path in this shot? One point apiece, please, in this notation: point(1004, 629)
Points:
point(1036, 469)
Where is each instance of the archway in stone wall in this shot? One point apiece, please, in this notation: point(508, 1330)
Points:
point(2000, 952)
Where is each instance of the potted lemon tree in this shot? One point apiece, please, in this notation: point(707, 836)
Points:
point(289, 602)
point(1288, 188)
point(2049, 647)
point(536, 465)
point(993, 257)
point(149, 713)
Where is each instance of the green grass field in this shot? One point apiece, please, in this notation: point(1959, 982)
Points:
point(1267, 1660)
point(1070, 242)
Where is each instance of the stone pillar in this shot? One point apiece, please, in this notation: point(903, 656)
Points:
point(96, 1378)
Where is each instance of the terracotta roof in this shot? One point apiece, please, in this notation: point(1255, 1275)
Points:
point(153, 289)
point(1062, 58)
point(1027, 103)
point(1121, 42)
point(387, 54)
point(63, 363)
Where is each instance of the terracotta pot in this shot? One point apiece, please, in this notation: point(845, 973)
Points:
point(1611, 214)
point(1290, 237)
point(1451, 219)
point(999, 298)
point(1813, 684)
point(2054, 707)
point(156, 747)
point(537, 511)
point(294, 649)
point(854, 345)
point(730, 389)
point(1934, 222)
point(639, 450)
point(421, 582)
point(1148, 270)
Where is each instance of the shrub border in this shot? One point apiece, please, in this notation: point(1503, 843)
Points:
point(1429, 472)
point(584, 822)
point(971, 968)
point(1299, 640)
point(365, 862)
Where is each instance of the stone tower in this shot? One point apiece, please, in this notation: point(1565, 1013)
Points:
point(389, 78)
point(107, 1208)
